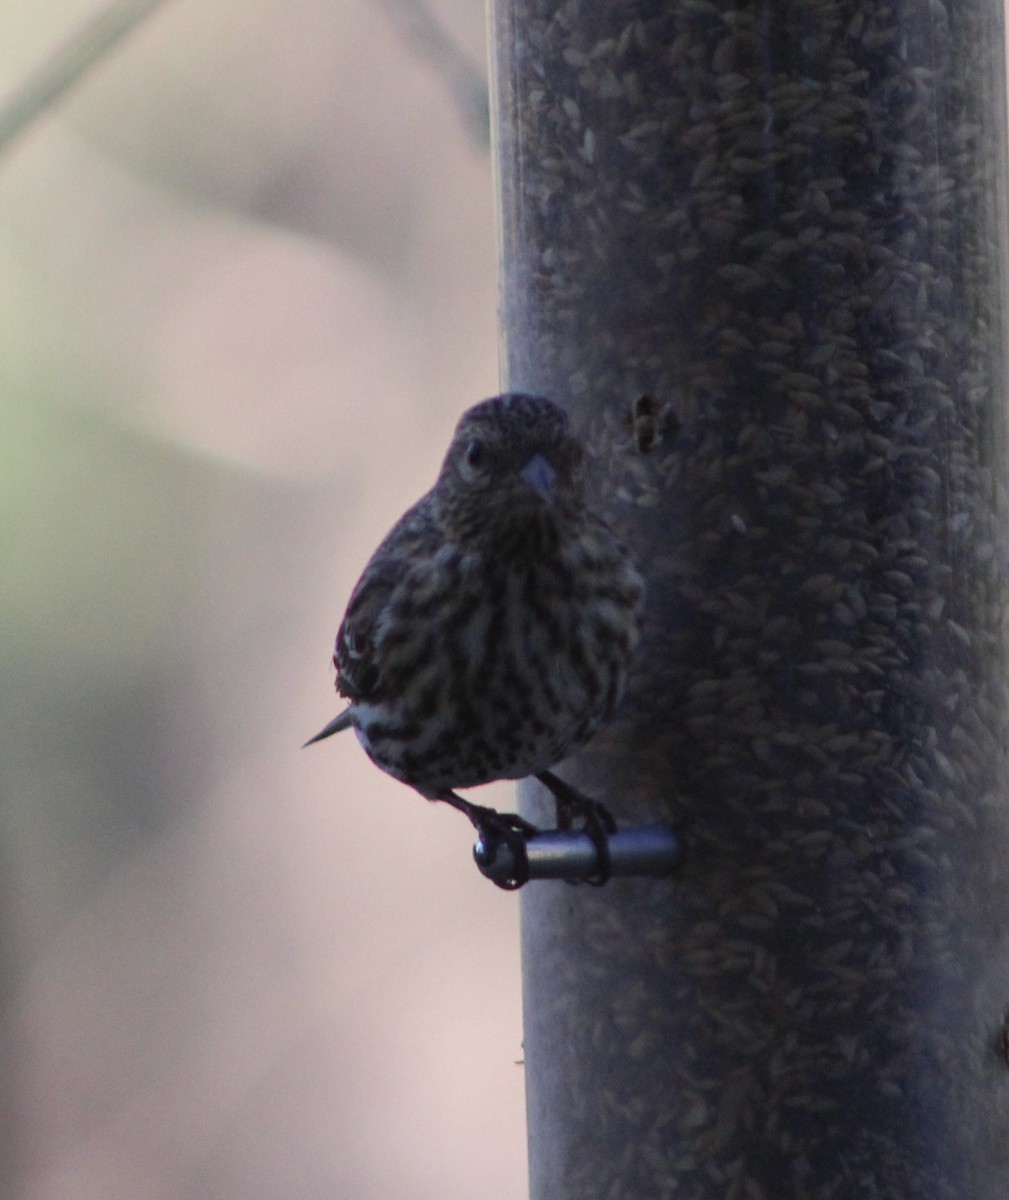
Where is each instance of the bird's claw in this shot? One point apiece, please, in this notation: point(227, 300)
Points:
point(495, 828)
point(599, 824)
point(597, 821)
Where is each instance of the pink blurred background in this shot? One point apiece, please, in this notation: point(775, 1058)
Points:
point(247, 284)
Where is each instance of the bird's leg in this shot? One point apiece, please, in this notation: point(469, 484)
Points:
point(494, 828)
point(597, 819)
point(572, 803)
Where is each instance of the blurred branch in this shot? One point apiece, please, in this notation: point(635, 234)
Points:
point(42, 89)
point(466, 83)
point(46, 86)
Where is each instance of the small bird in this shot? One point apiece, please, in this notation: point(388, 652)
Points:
point(491, 632)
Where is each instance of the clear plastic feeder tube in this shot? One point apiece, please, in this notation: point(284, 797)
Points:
point(758, 251)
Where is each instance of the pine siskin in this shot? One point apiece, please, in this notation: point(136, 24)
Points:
point(491, 632)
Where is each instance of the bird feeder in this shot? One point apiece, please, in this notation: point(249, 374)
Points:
point(758, 251)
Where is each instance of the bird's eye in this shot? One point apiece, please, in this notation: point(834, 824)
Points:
point(474, 461)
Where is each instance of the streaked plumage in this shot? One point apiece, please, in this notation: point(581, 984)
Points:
point(490, 633)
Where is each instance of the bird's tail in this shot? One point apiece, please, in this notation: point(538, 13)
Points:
point(341, 721)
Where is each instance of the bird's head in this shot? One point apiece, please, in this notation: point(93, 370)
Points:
point(513, 462)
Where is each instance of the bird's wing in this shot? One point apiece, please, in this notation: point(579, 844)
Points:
point(353, 656)
point(358, 675)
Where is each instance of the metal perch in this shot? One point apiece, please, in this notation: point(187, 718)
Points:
point(644, 850)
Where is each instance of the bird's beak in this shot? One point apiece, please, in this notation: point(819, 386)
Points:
point(341, 721)
point(540, 476)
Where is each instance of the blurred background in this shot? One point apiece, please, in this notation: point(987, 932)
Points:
point(247, 284)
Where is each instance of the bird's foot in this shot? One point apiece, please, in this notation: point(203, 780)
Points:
point(597, 820)
point(494, 830)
